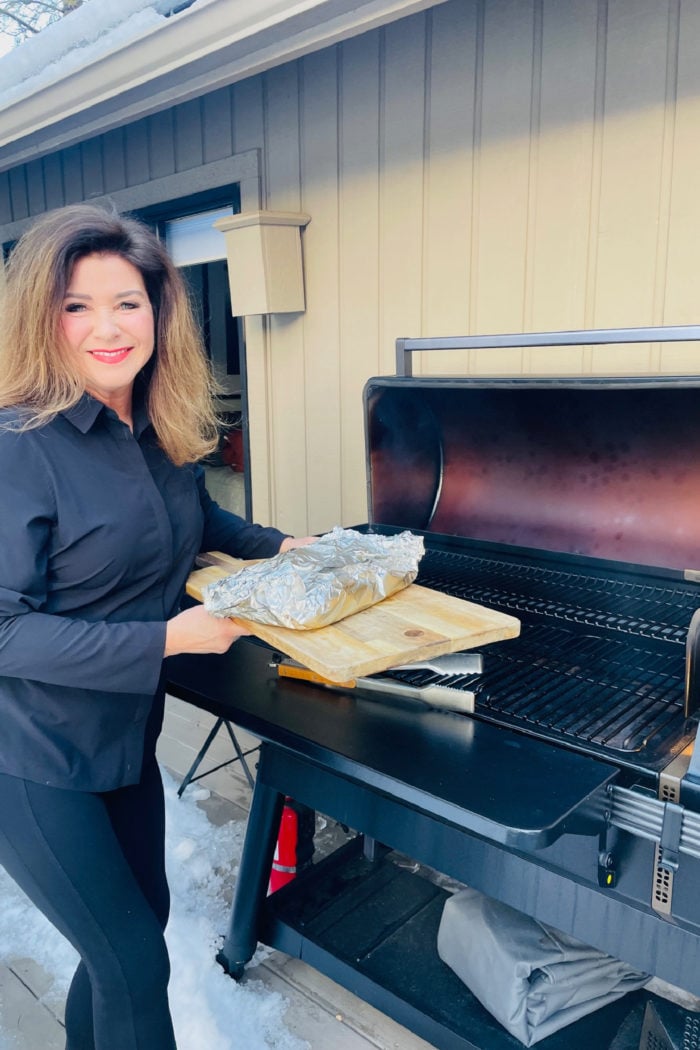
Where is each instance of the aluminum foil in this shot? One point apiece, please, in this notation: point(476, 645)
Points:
point(341, 573)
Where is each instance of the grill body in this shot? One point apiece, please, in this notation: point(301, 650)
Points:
point(573, 504)
point(576, 507)
point(573, 792)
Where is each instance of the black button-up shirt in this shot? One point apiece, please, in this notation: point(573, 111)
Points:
point(98, 532)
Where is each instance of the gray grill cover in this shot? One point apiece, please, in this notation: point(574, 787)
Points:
point(533, 979)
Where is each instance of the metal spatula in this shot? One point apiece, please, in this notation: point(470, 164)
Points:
point(449, 664)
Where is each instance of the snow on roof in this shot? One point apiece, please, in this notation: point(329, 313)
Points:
point(88, 32)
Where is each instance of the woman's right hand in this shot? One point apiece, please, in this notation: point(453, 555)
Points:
point(197, 631)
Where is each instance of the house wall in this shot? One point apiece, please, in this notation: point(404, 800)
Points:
point(485, 166)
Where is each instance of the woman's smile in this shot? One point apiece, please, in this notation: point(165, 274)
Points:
point(112, 357)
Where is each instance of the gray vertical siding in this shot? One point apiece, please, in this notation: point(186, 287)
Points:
point(169, 143)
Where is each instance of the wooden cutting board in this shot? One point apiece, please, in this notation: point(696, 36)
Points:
point(413, 624)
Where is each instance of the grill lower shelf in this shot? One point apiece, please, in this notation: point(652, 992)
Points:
point(371, 925)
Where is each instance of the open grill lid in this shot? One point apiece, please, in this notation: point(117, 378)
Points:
point(573, 503)
point(608, 469)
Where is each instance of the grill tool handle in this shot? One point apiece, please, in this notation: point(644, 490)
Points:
point(692, 667)
point(439, 696)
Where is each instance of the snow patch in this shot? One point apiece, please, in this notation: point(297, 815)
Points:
point(209, 1009)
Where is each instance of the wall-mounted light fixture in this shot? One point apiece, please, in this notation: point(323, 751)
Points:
point(265, 271)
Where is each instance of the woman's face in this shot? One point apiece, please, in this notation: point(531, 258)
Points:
point(107, 320)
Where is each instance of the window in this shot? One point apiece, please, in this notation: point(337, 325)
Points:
point(193, 239)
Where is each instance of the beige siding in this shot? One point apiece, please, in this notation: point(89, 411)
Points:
point(508, 165)
point(360, 293)
point(319, 173)
point(566, 190)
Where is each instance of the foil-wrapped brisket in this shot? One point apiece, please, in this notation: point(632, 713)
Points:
point(341, 573)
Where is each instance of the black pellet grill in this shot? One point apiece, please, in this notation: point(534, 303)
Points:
point(573, 794)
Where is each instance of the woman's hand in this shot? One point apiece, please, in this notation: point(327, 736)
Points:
point(289, 543)
point(197, 631)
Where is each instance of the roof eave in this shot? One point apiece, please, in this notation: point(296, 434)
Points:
point(192, 53)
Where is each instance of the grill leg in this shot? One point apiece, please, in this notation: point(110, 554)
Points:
point(251, 887)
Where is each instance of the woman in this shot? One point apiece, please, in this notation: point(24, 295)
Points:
point(105, 407)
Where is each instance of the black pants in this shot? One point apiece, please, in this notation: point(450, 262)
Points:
point(94, 865)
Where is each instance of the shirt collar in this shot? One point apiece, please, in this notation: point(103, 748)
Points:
point(84, 413)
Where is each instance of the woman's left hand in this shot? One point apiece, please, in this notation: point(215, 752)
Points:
point(290, 542)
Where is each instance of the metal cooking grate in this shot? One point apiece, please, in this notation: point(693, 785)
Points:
point(613, 688)
point(641, 609)
point(581, 687)
point(587, 688)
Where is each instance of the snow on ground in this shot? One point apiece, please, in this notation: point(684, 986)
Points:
point(209, 1009)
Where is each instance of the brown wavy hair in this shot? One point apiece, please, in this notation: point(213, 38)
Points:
point(37, 373)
